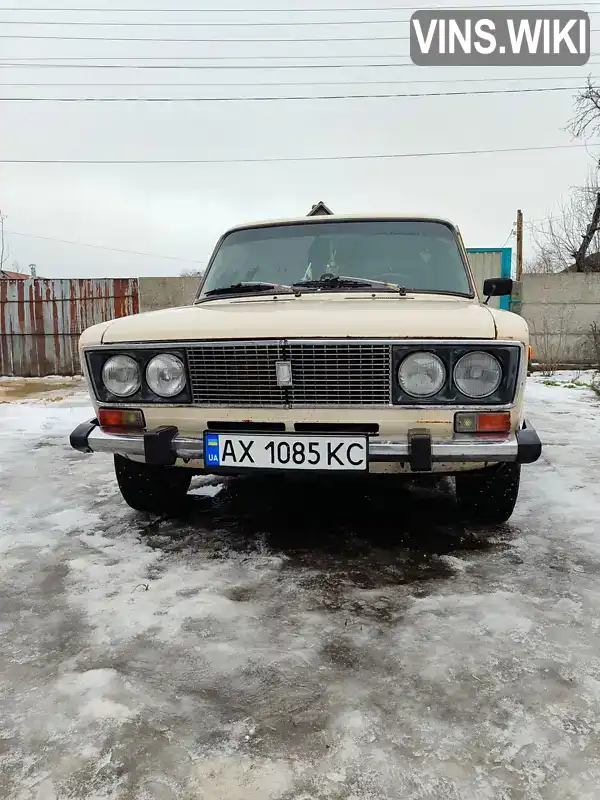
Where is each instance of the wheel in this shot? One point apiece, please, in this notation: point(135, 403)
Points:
point(489, 496)
point(159, 490)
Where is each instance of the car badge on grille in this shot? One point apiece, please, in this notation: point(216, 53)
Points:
point(283, 370)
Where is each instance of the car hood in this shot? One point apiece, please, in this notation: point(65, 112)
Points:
point(337, 316)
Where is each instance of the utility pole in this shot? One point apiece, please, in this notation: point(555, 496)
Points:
point(3, 256)
point(33, 270)
point(519, 271)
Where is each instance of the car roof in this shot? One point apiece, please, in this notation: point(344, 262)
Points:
point(329, 218)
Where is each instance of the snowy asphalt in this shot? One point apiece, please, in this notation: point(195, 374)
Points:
point(301, 641)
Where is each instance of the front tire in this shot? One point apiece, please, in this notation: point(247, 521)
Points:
point(489, 497)
point(157, 490)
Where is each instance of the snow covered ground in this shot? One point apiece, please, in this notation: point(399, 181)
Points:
point(297, 642)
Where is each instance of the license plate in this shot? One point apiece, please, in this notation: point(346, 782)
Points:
point(266, 451)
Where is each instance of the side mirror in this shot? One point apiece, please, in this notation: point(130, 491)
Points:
point(497, 287)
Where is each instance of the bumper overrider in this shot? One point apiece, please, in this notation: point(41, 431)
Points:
point(163, 446)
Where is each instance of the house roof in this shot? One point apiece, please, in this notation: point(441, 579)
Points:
point(13, 276)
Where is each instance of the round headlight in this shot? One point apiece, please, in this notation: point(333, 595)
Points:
point(421, 374)
point(166, 375)
point(477, 374)
point(121, 376)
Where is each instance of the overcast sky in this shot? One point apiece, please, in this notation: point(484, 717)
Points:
point(180, 210)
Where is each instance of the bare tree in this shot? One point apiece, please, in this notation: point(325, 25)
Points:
point(189, 273)
point(550, 339)
point(570, 239)
point(586, 119)
point(542, 263)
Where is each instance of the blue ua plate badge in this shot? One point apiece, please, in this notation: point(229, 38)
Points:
point(211, 450)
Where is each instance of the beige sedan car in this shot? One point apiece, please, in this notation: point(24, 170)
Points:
point(330, 345)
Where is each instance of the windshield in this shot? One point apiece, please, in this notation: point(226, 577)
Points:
point(418, 255)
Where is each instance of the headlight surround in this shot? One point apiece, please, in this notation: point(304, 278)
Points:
point(421, 374)
point(121, 376)
point(477, 374)
point(165, 375)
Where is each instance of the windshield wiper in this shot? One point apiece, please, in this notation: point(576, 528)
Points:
point(249, 286)
point(343, 282)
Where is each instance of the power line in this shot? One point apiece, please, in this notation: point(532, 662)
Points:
point(209, 66)
point(102, 247)
point(512, 233)
point(386, 65)
point(212, 24)
point(209, 24)
point(266, 98)
point(308, 57)
point(349, 82)
point(208, 41)
point(296, 10)
point(188, 58)
point(199, 41)
point(276, 159)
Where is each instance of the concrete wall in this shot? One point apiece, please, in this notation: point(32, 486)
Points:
point(157, 293)
point(560, 310)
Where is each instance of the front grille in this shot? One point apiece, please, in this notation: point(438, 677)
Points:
point(324, 374)
point(340, 374)
point(235, 374)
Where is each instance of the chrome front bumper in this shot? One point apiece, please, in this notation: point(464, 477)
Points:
point(165, 445)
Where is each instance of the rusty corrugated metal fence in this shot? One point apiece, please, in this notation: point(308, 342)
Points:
point(41, 320)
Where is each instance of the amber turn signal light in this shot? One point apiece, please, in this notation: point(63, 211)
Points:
point(482, 422)
point(120, 418)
